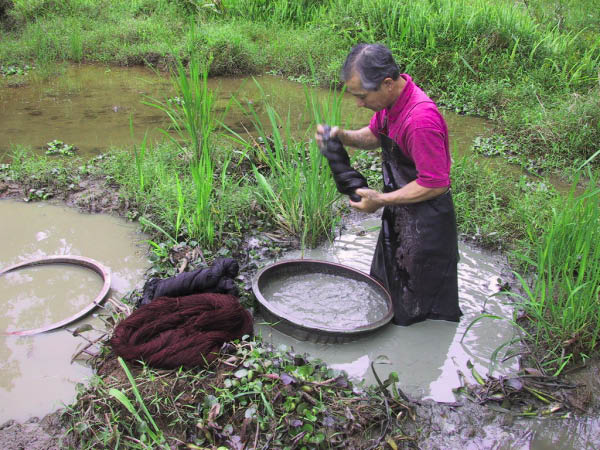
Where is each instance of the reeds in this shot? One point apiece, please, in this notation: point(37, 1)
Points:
point(296, 188)
point(563, 298)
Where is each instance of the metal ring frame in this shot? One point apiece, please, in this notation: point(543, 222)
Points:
point(63, 259)
point(309, 332)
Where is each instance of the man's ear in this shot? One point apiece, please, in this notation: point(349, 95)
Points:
point(388, 83)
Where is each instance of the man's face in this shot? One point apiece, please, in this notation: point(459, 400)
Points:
point(374, 100)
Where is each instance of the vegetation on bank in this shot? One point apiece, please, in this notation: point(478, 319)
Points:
point(255, 396)
point(532, 66)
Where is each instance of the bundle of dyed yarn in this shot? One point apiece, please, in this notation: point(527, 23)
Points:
point(183, 331)
point(184, 320)
point(218, 278)
point(347, 179)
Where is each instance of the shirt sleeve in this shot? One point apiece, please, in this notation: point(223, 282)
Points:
point(374, 124)
point(428, 148)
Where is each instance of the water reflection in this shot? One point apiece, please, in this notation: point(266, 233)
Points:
point(36, 374)
point(90, 107)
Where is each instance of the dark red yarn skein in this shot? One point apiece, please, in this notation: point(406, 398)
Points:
point(182, 331)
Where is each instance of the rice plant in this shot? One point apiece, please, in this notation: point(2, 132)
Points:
point(561, 300)
point(193, 122)
point(296, 188)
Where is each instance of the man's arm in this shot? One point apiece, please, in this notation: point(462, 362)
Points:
point(413, 192)
point(363, 138)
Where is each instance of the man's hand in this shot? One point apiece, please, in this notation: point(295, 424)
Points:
point(370, 200)
point(319, 135)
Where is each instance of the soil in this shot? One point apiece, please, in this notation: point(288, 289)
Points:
point(91, 196)
point(464, 424)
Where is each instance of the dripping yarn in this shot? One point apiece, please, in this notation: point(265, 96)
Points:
point(347, 179)
point(218, 278)
point(183, 331)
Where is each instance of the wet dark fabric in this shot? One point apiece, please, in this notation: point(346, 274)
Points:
point(417, 251)
point(347, 179)
point(218, 278)
point(183, 331)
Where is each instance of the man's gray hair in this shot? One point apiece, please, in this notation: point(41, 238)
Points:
point(373, 63)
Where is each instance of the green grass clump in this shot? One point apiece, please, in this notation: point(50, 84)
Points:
point(253, 394)
point(561, 301)
point(495, 208)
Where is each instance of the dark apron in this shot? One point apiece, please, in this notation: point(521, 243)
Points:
point(417, 252)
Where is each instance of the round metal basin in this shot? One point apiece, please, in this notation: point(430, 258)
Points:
point(331, 333)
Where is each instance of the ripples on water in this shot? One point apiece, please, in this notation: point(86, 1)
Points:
point(326, 301)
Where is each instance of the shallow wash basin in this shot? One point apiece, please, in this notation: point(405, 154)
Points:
point(321, 301)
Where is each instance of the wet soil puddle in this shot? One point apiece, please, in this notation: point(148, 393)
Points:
point(36, 373)
point(426, 355)
point(90, 107)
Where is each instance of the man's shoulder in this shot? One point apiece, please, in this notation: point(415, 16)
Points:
point(426, 115)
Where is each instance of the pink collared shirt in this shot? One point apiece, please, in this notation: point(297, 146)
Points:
point(421, 133)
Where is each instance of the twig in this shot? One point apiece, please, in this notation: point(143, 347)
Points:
point(256, 435)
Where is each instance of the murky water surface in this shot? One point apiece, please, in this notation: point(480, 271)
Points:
point(429, 355)
point(36, 373)
point(36, 296)
point(90, 107)
point(425, 355)
point(326, 301)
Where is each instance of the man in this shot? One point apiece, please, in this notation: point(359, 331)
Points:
point(417, 252)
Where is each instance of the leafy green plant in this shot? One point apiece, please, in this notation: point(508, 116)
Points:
point(297, 189)
point(57, 147)
point(561, 300)
point(151, 432)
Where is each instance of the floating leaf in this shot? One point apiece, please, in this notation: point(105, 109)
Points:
point(329, 422)
point(305, 371)
point(295, 423)
point(250, 413)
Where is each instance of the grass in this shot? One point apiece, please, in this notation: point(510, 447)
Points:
point(532, 66)
point(260, 396)
point(297, 189)
point(561, 300)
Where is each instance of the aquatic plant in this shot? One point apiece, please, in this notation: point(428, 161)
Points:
point(253, 395)
point(297, 189)
point(560, 302)
point(57, 147)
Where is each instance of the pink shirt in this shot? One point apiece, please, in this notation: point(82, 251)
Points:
point(420, 132)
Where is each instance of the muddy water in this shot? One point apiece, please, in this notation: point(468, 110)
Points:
point(426, 355)
point(362, 304)
point(37, 296)
point(36, 373)
point(90, 107)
